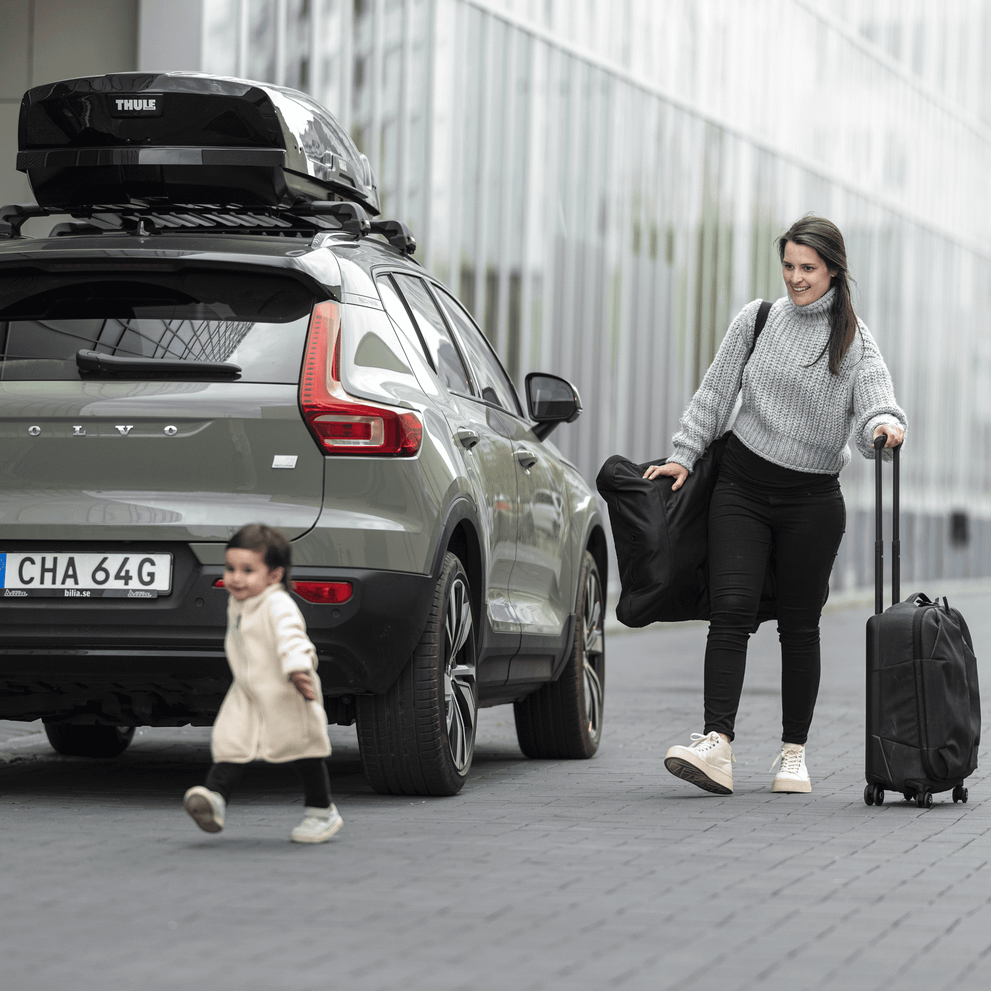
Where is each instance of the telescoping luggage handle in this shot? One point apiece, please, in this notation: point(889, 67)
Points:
point(896, 544)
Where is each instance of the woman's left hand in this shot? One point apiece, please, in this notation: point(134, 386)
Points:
point(304, 685)
point(894, 433)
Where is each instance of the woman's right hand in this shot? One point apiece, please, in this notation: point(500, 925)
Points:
point(678, 472)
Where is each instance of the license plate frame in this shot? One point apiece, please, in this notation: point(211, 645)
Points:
point(80, 574)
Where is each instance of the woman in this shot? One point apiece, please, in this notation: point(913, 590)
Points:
point(815, 376)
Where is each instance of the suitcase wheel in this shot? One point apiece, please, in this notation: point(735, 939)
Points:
point(909, 795)
point(924, 799)
point(874, 795)
point(960, 794)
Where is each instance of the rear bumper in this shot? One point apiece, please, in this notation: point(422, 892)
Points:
point(162, 662)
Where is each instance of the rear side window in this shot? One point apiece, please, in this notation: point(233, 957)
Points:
point(255, 320)
point(493, 383)
point(441, 350)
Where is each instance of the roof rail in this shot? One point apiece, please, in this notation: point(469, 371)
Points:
point(314, 219)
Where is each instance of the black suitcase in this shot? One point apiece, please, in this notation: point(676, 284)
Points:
point(923, 703)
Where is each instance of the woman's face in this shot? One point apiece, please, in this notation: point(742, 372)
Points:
point(805, 274)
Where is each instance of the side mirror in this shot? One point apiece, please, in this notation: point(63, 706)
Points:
point(551, 400)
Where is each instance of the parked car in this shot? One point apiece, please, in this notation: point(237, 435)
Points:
point(222, 335)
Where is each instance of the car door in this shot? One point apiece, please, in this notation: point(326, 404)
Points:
point(541, 583)
point(485, 443)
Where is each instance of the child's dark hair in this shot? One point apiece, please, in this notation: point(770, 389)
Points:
point(266, 539)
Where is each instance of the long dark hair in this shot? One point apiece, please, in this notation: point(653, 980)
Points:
point(825, 239)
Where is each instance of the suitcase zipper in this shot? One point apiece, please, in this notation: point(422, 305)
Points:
point(920, 696)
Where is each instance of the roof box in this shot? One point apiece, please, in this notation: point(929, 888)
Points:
point(185, 137)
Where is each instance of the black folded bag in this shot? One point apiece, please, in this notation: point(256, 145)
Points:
point(662, 540)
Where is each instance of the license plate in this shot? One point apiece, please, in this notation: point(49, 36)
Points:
point(85, 576)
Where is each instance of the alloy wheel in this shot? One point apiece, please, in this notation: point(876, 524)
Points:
point(460, 702)
point(593, 651)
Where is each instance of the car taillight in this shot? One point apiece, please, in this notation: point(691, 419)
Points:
point(322, 593)
point(330, 593)
point(340, 424)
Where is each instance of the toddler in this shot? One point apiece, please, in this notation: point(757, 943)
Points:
point(273, 710)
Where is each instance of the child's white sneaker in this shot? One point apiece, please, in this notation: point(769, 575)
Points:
point(794, 775)
point(317, 826)
point(707, 762)
point(206, 807)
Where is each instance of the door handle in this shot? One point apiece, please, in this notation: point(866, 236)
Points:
point(526, 458)
point(468, 438)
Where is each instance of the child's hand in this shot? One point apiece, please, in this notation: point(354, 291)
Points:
point(304, 685)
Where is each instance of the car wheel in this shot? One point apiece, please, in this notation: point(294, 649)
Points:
point(418, 738)
point(564, 717)
point(75, 740)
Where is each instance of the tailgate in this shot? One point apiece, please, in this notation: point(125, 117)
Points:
point(142, 399)
point(154, 460)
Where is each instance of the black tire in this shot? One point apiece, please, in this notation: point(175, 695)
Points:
point(868, 794)
point(418, 738)
point(878, 795)
point(960, 794)
point(77, 740)
point(563, 719)
point(924, 800)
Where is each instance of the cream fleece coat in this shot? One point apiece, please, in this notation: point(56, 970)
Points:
point(263, 716)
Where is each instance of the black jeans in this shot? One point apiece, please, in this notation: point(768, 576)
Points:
point(223, 778)
point(797, 532)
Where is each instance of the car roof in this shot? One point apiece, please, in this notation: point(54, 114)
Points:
point(339, 262)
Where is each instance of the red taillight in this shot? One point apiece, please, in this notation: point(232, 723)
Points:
point(340, 424)
point(329, 593)
point(322, 593)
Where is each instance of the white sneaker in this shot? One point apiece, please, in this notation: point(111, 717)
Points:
point(206, 807)
point(706, 762)
point(317, 826)
point(794, 775)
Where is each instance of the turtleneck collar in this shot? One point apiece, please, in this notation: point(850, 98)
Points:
point(814, 310)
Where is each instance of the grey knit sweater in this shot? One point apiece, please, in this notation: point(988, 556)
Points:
point(791, 415)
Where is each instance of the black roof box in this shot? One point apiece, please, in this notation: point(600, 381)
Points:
point(185, 137)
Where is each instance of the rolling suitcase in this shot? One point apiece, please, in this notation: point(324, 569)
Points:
point(923, 703)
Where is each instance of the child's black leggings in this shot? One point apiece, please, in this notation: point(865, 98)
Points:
point(223, 779)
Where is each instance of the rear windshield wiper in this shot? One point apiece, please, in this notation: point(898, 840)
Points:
point(94, 363)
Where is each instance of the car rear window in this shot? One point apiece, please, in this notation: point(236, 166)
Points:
point(255, 320)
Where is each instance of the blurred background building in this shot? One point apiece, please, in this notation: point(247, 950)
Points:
point(602, 182)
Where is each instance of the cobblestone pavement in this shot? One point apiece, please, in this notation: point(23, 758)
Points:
point(596, 874)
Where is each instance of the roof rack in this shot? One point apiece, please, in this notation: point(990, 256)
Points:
point(142, 218)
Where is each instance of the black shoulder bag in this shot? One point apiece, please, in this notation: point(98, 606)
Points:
point(662, 537)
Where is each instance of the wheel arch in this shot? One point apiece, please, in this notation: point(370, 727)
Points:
point(596, 545)
point(460, 536)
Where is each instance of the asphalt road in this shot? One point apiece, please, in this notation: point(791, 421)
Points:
point(598, 874)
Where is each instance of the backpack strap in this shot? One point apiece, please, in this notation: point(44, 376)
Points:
point(762, 312)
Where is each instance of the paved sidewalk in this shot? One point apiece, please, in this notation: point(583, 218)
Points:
point(597, 874)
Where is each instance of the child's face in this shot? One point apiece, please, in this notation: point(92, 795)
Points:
point(247, 575)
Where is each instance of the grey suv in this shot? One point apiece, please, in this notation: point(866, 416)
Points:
point(223, 335)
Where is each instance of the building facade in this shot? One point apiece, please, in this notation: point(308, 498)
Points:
point(602, 182)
